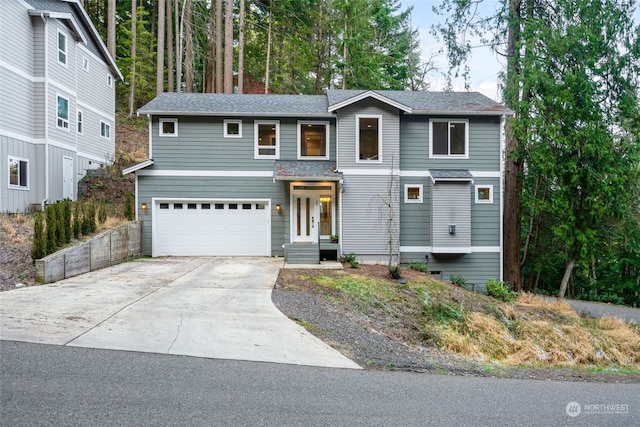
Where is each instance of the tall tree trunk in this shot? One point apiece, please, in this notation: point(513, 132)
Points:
point(211, 57)
point(188, 35)
point(241, 49)
point(160, 49)
point(513, 163)
point(345, 52)
point(266, 72)
point(219, 86)
point(228, 46)
point(170, 75)
point(111, 28)
point(179, 35)
point(567, 274)
point(132, 76)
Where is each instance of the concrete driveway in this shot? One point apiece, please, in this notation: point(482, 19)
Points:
point(203, 307)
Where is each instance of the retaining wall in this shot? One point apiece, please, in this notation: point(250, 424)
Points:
point(106, 249)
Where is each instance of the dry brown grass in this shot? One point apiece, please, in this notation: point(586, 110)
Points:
point(12, 227)
point(535, 331)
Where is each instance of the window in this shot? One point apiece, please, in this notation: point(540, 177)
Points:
point(233, 206)
point(105, 130)
point(205, 206)
point(177, 206)
point(18, 173)
point(85, 63)
point(63, 113)
point(232, 128)
point(80, 122)
point(368, 146)
point(267, 137)
point(313, 140)
point(219, 205)
point(484, 193)
point(192, 206)
point(413, 193)
point(109, 80)
point(168, 127)
point(62, 48)
point(449, 138)
point(164, 205)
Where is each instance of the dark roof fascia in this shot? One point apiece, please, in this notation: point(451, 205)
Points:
point(235, 114)
point(63, 17)
point(370, 94)
point(460, 113)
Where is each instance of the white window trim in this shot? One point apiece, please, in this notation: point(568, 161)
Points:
point(175, 127)
point(226, 129)
point(58, 118)
point(85, 63)
point(102, 122)
point(368, 116)
point(65, 51)
point(406, 193)
point(80, 122)
point(109, 80)
point(256, 125)
point(13, 186)
point(326, 140)
point(449, 156)
point(490, 187)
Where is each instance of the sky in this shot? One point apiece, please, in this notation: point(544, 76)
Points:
point(484, 64)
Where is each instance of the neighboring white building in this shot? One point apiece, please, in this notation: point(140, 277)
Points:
point(57, 97)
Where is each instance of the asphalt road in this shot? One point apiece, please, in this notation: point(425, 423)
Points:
point(55, 385)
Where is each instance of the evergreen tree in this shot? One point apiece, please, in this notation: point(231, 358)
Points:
point(39, 247)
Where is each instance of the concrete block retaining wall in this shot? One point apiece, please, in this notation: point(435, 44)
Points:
point(106, 249)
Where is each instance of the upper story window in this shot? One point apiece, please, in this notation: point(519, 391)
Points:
point(105, 130)
point(80, 122)
point(18, 173)
point(232, 128)
point(369, 144)
point(62, 48)
point(168, 127)
point(109, 80)
point(63, 113)
point(85, 63)
point(267, 139)
point(313, 140)
point(449, 138)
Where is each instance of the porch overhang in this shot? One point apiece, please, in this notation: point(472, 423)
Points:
point(306, 170)
point(450, 175)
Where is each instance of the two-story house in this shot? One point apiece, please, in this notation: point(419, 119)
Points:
point(57, 96)
point(412, 175)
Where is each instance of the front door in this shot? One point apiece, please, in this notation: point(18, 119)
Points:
point(67, 178)
point(305, 217)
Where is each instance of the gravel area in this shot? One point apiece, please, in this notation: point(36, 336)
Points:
point(355, 336)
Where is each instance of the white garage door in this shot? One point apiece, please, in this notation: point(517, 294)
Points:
point(212, 228)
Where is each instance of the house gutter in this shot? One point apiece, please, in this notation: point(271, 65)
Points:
point(502, 160)
point(46, 112)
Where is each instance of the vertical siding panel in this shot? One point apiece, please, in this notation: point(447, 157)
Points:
point(451, 204)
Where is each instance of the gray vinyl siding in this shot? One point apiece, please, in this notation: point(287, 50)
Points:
point(201, 145)
point(61, 74)
point(19, 200)
point(56, 155)
point(213, 188)
point(485, 217)
point(16, 35)
point(92, 85)
point(476, 268)
point(15, 102)
point(347, 128)
point(451, 204)
point(415, 218)
point(364, 230)
point(484, 145)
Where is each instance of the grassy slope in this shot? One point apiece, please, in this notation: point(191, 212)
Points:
point(529, 332)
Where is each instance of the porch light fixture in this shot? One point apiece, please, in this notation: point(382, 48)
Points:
point(278, 208)
point(143, 206)
point(325, 199)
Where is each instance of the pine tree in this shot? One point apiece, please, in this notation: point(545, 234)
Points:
point(39, 248)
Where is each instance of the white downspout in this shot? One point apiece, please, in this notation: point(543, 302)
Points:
point(502, 160)
point(46, 112)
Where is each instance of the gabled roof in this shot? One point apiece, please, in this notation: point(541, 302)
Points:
point(73, 13)
point(434, 103)
point(170, 103)
point(137, 167)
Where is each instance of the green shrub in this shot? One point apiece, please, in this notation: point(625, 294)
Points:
point(419, 266)
point(458, 280)
point(61, 232)
point(51, 223)
point(500, 290)
point(39, 248)
point(350, 258)
point(77, 220)
point(66, 222)
point(394, 271)
point(128, 208)
point(102, 212)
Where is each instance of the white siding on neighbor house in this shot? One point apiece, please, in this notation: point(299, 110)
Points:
point(347, 135)
point(451, 205)
point(364, 214)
